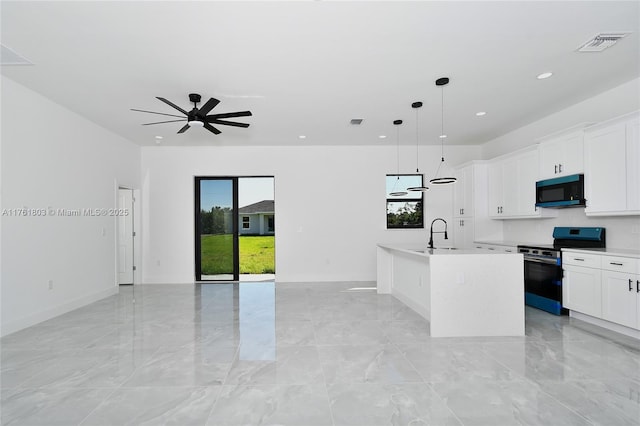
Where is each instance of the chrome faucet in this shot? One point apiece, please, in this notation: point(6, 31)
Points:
point(446, 237)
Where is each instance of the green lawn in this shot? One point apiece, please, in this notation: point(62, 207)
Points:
point(257, 254)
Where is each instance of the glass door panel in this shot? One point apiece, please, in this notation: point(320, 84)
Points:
point(216, 229)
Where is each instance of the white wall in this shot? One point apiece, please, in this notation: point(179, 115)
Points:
point(615, 102)
point(52, 157)
point(330, 205)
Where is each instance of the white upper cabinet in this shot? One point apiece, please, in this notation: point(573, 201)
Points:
point(612, 162)
point(512, 187)
point(561, 155)
point(463, 192)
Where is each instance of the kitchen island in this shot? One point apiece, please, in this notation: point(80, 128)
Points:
point(468, 292)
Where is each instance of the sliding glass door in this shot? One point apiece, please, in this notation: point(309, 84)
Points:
point(216, 228)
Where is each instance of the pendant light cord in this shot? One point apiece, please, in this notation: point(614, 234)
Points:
point(417, 137)
point(442, 122)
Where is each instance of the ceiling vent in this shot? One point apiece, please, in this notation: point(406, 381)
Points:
point(9, 57)
point(601, 41)
point(356, 121)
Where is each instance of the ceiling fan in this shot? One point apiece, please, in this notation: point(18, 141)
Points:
point(198, 116)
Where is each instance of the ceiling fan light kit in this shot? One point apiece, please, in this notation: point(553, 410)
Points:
point(442, 180)
point(198, 117)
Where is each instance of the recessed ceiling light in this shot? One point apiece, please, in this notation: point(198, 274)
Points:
point(481, 113)
point(443, 136)
point(544, 75)
point(382, 136)
point(302, 137)
point(158, 137)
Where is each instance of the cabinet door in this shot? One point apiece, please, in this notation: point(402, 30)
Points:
point(550, 155)
point(562, 156)
point(633, 165)
point(463, 193)
point(527, 175)
point(619, 298)
point(572, 160)
point(495, 189)
point(510, 187)
point(463, 233)
point(605, 163)
point(582, 290)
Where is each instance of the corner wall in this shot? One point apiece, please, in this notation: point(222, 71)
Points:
point(59, 160)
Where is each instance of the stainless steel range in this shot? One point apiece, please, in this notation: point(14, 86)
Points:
point(543, 265)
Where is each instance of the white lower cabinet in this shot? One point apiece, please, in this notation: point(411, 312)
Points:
point(582, 290)
point(620, 298)
point(603, 286)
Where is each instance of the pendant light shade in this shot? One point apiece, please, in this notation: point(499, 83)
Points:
point(442, 180)
point(416, 106)
point(394, 191)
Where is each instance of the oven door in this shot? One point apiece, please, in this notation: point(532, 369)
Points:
point(543, 284)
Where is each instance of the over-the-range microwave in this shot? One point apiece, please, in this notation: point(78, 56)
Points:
point(565, 191)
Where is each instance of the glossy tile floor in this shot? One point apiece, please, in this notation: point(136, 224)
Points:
point(308, 354)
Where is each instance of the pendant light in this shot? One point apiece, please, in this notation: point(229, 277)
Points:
point(416, 106)
point(394, 192)
point(442, 180)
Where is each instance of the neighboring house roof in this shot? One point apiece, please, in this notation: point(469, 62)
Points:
point(264, 206)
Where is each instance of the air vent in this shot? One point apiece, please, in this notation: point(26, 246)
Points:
point(601, 41)
point(356, 121)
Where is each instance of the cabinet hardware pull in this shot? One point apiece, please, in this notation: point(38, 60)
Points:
point(637, 286)
point(555, 169)
point(630, 284)
point(559, 168)
point(576, 258)
point(616, 263)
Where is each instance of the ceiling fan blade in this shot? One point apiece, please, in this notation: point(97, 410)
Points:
point(162, 122)
point(211, 104)
point(212, 129)
point(229, 123)
point(229, 115)
point(171, 104)
point(184, 129)
point(153, 112)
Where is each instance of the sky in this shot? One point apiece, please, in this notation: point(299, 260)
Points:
point(250, 190)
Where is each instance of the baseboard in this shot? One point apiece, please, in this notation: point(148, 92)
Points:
point(33, 319)
point(630, 332)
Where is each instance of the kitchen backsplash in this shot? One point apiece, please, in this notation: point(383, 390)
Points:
point(622, 231)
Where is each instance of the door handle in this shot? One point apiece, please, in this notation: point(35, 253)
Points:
point(630, 284)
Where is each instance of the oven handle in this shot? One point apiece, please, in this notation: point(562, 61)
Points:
point(547, 261)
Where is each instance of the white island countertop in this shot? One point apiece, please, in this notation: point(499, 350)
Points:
point(424, 251)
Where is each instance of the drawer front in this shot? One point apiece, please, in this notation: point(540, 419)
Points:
point(620, 264)
point(581, 259)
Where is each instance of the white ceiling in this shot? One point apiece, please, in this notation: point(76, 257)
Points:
point(307, 68)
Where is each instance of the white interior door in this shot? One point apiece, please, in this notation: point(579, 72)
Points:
point(125, 237)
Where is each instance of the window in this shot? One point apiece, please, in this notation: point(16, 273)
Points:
point(404, 211)
point(246, 222)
